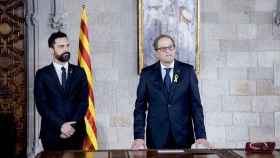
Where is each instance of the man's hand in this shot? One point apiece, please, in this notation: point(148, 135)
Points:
point(138, 144)
point(63, 136)
point(67, 130)
point(203, 143)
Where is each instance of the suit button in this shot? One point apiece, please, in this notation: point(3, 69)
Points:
point(169, 105)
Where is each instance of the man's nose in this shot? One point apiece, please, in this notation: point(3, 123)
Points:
point(66, 48)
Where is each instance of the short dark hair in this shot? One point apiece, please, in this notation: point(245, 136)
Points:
point(54, 36)
point(160, 37)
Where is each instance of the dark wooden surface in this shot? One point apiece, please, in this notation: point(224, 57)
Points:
point(195, 153)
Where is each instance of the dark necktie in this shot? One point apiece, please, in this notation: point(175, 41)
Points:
point(167, 79)
point(63, 77)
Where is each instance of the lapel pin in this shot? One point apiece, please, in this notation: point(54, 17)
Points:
point(176, 77)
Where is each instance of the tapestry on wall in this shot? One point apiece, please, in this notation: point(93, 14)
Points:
point(13, 73)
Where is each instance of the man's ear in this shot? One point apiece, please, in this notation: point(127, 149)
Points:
point(156, 54)
point(51, 50)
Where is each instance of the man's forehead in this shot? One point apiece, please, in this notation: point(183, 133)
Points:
point(63, 40)
point(164, 41)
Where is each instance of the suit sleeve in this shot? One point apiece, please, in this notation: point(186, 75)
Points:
point(140, 109)
point(83, 98)
point(41, 101)
point(197, 110)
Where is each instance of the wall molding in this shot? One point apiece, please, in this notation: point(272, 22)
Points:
point(32, 49)
point(57, 21)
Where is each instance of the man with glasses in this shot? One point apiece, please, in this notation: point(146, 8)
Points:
point(168, 92)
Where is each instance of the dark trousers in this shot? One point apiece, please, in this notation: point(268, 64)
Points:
point(72, 143)
point(171, 143)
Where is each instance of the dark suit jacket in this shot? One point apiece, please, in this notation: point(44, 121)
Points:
point(175, 111)
point(57, 106)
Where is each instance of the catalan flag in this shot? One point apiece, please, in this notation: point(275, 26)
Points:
point(84, 61)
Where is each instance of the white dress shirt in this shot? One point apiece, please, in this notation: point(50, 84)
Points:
point(58, 70)
point(163, 71)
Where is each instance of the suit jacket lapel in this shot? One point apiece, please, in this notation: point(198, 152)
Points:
point(69, 78)
point(56, 80)
point(158, 79)
point(175, 79)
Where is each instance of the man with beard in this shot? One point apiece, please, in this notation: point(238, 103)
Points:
point(61, 97)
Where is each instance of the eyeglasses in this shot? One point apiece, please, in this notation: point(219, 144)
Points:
point(169, 48)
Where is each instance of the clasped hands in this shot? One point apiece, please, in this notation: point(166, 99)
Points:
point(67, 130)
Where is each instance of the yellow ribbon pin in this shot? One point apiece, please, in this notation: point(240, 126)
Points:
point(176, 77)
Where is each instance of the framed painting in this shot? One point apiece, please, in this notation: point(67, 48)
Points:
point(177, 18)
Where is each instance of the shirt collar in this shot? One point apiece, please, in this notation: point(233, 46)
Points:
point(59, 66)
point(170, 66)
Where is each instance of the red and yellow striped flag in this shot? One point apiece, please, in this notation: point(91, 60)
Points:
point(90, 142)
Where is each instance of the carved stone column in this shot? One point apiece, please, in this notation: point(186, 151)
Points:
point(32, 47)
point(57, 15)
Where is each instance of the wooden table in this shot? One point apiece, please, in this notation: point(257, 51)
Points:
point(194, 153)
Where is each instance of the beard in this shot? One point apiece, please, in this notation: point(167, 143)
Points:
point(64, 57)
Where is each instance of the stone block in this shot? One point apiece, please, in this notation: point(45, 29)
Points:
point(209, 17)
point(276, 75)
point(106, 135)
point(212, 104)
point(121, 120)
point(262, 134)
point(264, 32)
point(102, 46)
point(234, 18)
point(207, 45)
point(236, 103)
point(268, 59)
point(210, 6)
point(213, 59)
point(261, 17)
point(218, 31)
point(218, 118)
point(125, 137)
point(103, 61)
point(243, 87)
point(264, 45)
point(102, 120)
point(277, 125)
point(215, 133)
point(125, 93)
point(208, 72)
point(246, 119)
point(266, 88)
point(236, 133)
point(246, 31)
point(208, 31)
point(228, 73)
point(105, 97)
point(245, 59)
point(237, 6)
point(266, 104)
point(127, 67)
point(234, 45)
point(214, 88)
point(106, 75)
point(267, 5)
point(267, 119)
point(260, 73)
